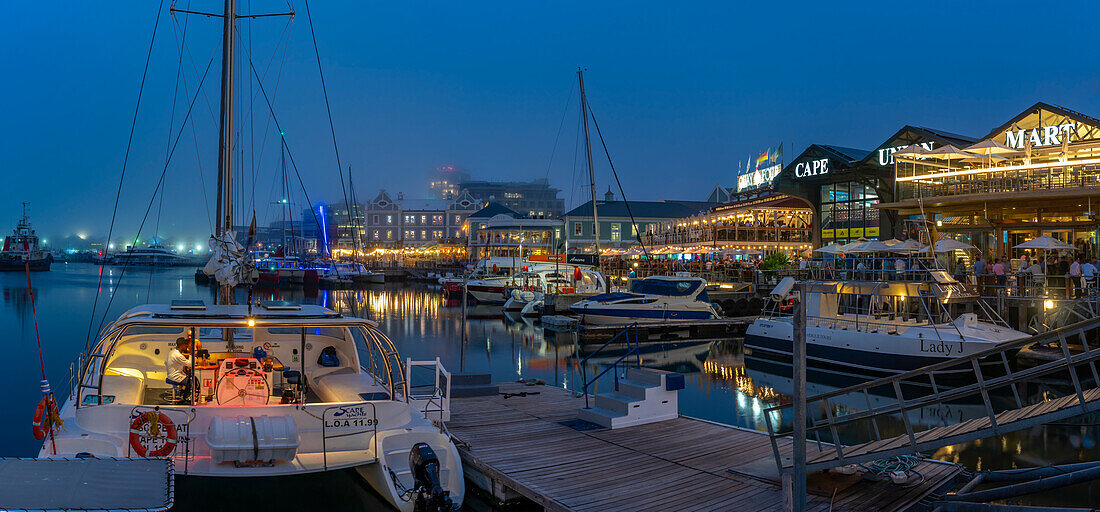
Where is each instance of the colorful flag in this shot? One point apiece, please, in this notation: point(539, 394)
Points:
point(778, 154)
point(763, 158)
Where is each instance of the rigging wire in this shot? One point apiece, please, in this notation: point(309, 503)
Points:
point(160, 181)
point(633, 223)
point(561, 124)
point(125, 162)
point(331, 126)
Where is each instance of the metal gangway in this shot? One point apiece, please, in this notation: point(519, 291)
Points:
point(916, 402)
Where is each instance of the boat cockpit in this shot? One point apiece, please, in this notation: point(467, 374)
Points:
point(278, 353)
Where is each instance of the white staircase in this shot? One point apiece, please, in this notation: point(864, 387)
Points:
point(644, 396)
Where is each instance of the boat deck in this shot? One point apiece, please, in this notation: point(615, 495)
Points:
point(519, 444)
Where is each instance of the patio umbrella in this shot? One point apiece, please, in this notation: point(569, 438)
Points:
point(990, 147)
point(949, 152)
point(950, 244)
point(832, 248)
point(908, 246)
point(912, 151)
point(730, 251)
point(872, 246)
point(751, 252)
point(855, 243)
point(1044, 242)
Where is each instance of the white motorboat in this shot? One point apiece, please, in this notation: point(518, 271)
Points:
point(882, 326)
point(286, 389)
point(650, 300)
point(530, 286)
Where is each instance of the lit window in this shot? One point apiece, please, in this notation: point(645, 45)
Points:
point(389, 219)
point(389, 234)
point(577, 229)
point(616, 232)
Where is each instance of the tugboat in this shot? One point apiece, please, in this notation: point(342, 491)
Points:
point(21, 248)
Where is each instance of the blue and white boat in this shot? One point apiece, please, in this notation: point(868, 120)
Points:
point(650, 300)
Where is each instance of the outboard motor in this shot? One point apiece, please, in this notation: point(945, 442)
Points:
point(430, 496)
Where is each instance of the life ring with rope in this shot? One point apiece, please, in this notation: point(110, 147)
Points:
point(148, 426)
point(44, 416)
point(787, 304)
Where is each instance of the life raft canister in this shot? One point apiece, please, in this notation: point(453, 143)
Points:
point(156, 421)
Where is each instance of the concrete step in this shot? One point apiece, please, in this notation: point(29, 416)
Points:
point(465, 391)
point(470, 379)
point(617, 402)
point(634, 388)
point(600, 416)
point(645, 375)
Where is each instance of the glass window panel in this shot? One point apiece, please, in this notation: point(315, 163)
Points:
point(826, 193)
point(841, 193)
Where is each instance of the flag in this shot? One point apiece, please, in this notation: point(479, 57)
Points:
point(778, 154)
point(763, 158)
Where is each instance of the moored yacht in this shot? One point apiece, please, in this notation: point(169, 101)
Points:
point(155, 255)
point(527, 287)
point(881, 326)
point(278, 389)
point(650, 300)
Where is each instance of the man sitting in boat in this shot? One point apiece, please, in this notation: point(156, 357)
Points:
point(178, 365)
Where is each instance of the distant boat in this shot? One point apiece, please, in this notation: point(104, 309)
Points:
point(152, 256)
point(21, 248)
point(650, 300)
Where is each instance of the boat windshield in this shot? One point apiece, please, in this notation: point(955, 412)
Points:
point(671, 288)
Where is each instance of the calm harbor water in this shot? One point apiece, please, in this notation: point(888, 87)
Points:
point(723, 384)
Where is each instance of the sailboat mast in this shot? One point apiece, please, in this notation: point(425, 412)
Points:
point(591, 172)
point(225, 134)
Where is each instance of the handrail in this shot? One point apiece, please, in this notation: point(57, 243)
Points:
point(981, 386)
point(440, 394)
point(631, 350)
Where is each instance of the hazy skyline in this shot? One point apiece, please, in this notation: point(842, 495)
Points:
point(682, 93)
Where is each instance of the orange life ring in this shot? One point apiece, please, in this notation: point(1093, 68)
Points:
point(139, 431)
point(41, 425)
point(786, 305)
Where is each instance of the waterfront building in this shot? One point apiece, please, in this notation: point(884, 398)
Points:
point(844, 185)
point(445, 181)
point(1039, 173)
point(758, 220)
point(414, 222)
point(498, 231)
point(617, 230)
point(534, 199)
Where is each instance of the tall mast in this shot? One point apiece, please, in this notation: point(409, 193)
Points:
point(591, 172)
point(225, 135)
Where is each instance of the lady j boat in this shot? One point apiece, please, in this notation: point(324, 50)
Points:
point(882, 322)
point(651, 300)
point(21, 250)
point(279, 389)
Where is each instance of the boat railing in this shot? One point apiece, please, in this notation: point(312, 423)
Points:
point(856, 434)
point(437, 399)
point(629, 337)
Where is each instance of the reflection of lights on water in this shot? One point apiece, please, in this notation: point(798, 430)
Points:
point(756, 406)
point(740, 400)
point(519, 365)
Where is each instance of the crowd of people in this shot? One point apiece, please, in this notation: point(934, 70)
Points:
point(1076, 275)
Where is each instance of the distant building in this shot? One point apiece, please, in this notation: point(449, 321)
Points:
point(445, 181)
point(534, 199)
point(616, 228)
point(411, 222)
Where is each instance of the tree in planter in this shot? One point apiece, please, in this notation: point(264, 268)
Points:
point(774, 262)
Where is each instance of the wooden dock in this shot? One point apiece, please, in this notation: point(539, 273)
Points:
point(518, 445)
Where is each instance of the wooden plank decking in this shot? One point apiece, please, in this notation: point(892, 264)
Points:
point(680, 464)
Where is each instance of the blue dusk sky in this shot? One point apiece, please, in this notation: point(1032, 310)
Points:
point(682, 92)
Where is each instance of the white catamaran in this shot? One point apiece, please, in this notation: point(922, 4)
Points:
point(271, 388)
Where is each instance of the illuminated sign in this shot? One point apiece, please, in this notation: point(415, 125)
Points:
point(758, 177)
point(1038, 137)
point(886, 155)
point(812, 168)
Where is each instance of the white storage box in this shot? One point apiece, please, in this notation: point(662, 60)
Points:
point(252, 439)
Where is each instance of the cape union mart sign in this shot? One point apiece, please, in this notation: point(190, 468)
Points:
point(1043, 136)
point(811, 168)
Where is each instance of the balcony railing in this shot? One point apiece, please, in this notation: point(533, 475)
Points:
point(994, 181)
point(729, 234)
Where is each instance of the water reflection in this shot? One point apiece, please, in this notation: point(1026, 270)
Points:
point(724, 383)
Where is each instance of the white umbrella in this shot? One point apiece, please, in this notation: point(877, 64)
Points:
point(912, 151)
point(832, 248)
point(751, 252)
point(1044, 242)
point(872, 246)
point(990, 147)
point(949, 152)
point(855, 243)
point(950, 244)
point(730, 251)
point(908, 246)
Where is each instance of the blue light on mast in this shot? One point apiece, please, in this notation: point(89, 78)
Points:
point(324, 230)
